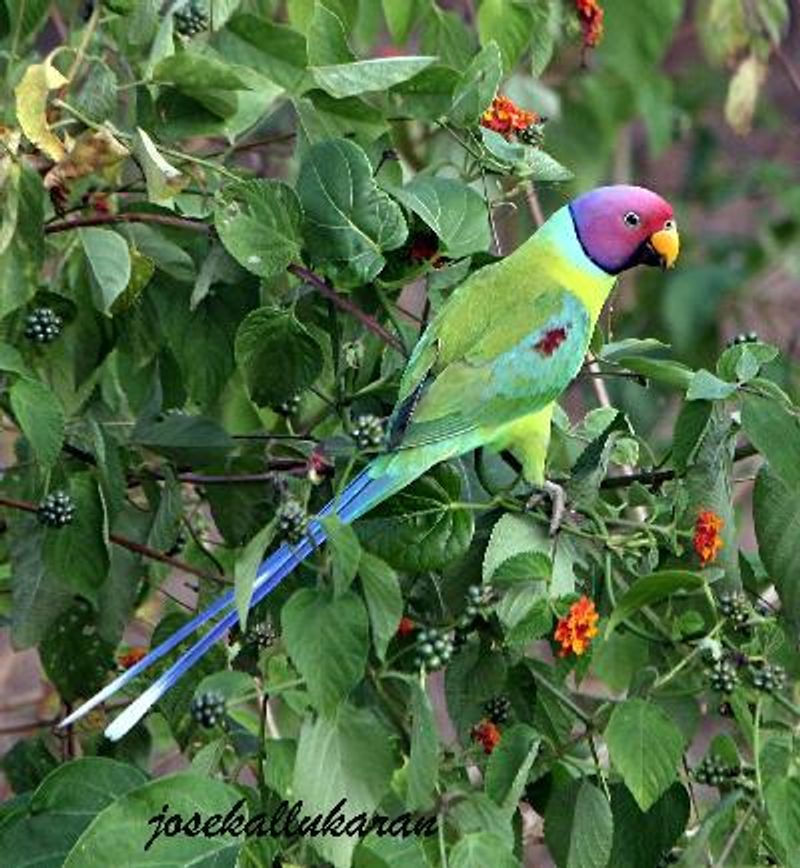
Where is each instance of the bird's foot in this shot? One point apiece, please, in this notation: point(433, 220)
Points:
point(558, 503)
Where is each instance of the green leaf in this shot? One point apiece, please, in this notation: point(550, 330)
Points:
point(659, 370)
point(473, 676)
point(41, 418)
point(511, 537)
point(615, 350)
point(109, 263)
point(349, 221)
point(365, 76)
point(742, 362)
point(327, 638)
point(163, 180)
point(327, 37)
point(11, 360)
point(400, 18)
point(523, 160)
point(193, 440)
point(27, 764)
point(478, 86)
point(690, 428)
point(544, 29)
point(704, 386)
point(509, 23)
point(578, 826)
point(642, 838)
point(479, 849)
point(783, 807)
point(423, 761)
point(246, 569)
point(345, 552)
point(776, 512)
point(259, 223)
point(120, 834)
point(775, 432)
point(446, 35)
point(419, 529)
point(192, 73)
point(276, 51)
point(384, 600)
point(277, 355)
point(63, 806)
point(79, 551)
point(651, 589)
point(509, 765)
point(454, 211)
point(26, 16)
point(355, 751)
point(645, 747)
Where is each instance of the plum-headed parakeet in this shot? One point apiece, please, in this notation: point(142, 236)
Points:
point(484, 374)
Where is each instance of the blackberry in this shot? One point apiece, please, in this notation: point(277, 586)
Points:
point(191, 19)
point(768, 677)
point(43, 325)
point(288, 407)
point(723, 677)
point(434, 650)
point(368, 432)
point(208, 709)
point(262, 635)
point(497, 709)
point(56, 510)
point(743, 338)
point(292, 521)
point(713, 771)
point(734, 607)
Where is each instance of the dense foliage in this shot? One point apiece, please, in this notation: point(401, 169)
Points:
point(224, 224)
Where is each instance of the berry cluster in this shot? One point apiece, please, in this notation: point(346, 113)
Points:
point(292, 521)
point(191, 19)
point(723, 677)
point(734, 607)
point(434, 649)
point(743, 338)
point(43, 325)
point(368, 432)
point(207, 709)
point(56, 510)
point(262, 635)
point(289, 407)
point(497, 709)
point(713, 771)
point(479, 597)
point(768, 677)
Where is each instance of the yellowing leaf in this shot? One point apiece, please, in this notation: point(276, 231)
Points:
point(743, 94)
point(31, 94)
point(163, 179)
point(92, 151)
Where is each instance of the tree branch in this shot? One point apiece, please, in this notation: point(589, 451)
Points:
point(132, 217)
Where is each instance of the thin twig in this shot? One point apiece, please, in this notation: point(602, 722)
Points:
point(132, 217)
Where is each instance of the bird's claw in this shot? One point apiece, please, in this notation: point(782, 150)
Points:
point(558, 503)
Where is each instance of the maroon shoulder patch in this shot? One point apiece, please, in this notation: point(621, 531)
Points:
point(550, 341)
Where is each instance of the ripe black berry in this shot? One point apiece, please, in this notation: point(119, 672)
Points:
point(262, 635)
point(768, 677)
point(714, 771)
point(734, 607)
point(43, 325)
point(368, 432)
point(497, 709)
point(292, 521)
point(723, 677)
point(56, 510)
point(207, 709)
point(191, 18)
point(434, 650)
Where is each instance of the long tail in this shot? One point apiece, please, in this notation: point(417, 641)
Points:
point(358, 497)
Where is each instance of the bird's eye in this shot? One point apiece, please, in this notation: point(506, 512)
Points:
point(632, 219)
point(669, 225)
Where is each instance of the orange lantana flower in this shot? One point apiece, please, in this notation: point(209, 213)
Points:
point(590, 13)
point(505, 117)
point(131, 657)
point(578, 628)
point(486, 734)
point(707, 541)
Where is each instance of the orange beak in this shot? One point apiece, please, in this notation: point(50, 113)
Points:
point(667, 244)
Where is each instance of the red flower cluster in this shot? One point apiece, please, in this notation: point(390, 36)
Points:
point(405, 627)
point(487, 735)
point(505, 117)
point(131, 657)
point(707, 541)
point(578, 628)
point(590, 13)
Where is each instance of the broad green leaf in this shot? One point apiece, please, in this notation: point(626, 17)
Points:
point(652, 589)
point(690, 428)
point(478, 86)
point(645, 747)
point(423, 761)
point(11, 360)
point(188, 439)
point(400, 18)
point(479, 849)
point(27, 764)
point(64, 804)
point(79, 552)
point(544, 30)
point(578, 826)
point(742, 362)
point(509, 765)
point(109, 262)
point(349, 221)
point(641, 838)
point(345, 552)
point(41, 418)
point(259, 223)
point(22, 238)
point(454, 211)
point(166, 521)
point(509, 23)
point(783, 808)
point(276, 51)
point(97, 98)
point(384, 600)
point(193, 72)
point(523, 160)
point(387, 852)
point(659, 370)
point(246, 569)
point(420, 529)
point(446, 34)
point(513, 536)
point(776, 512)
point(277, 355)
point(706, 387)
point(365, 76)
point(327, 638)
point(26, 16)
point(163, 180)
point(322, 117)
point(775, 432)
point(327, 37)
point(355, 751)
point(630, 347)
point(124, 833)
point(428, 95)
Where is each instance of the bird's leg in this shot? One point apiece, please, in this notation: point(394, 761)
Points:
point(558, 503)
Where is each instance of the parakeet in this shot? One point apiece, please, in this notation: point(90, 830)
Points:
point(485, 373)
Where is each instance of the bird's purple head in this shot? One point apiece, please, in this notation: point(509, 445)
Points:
point(620, 227)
